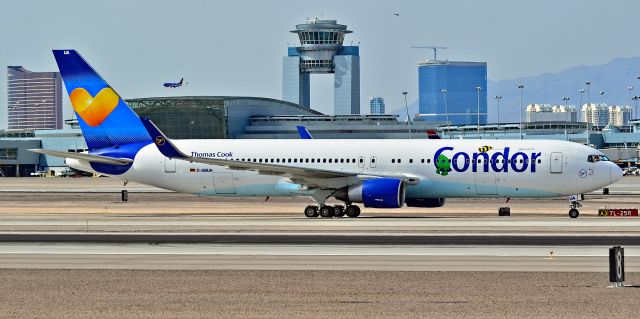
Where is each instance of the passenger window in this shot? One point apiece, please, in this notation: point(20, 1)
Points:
point(399, 161)
point(422, 161)
point(429, 160)
point(539, 161)
point(393, 161)
point(410, 160)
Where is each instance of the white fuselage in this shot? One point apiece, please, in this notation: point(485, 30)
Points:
point(540, 168)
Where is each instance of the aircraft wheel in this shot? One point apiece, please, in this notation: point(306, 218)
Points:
point(311, 211)
point(338, 211)
point(574, 213)
point(352, 211)
point(326, 211)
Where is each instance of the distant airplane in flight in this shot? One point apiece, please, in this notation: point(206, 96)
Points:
point(173, 85)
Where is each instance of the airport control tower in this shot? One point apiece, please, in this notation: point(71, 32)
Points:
point(321, 52)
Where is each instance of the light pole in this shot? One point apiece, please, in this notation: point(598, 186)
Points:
point(498, 98)
point(581, 91)
point(566, 101)
point(406, 106)
point(588, 83)
point(601, 96)
point(478, 89)
point(636, 98)
point(446, 109)
point(521, 87)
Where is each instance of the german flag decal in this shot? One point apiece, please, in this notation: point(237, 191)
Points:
point(485, 149)
point(192, 170)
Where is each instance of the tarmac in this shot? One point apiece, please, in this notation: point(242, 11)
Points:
point(190, 253)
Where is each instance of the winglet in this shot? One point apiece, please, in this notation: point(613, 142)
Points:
point(165, 146)
point(304, 133)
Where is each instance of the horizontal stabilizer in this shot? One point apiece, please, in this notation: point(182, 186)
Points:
point(85, 157)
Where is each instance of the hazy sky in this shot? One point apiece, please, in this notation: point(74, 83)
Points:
point(236, 47)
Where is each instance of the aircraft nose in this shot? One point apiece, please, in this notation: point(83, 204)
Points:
point(616, 172)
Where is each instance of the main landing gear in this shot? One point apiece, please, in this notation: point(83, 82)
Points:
point(327, 211)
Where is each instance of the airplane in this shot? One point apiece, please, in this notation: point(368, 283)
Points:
point(304, 133)
point(173, 85)
point(433, 135)
point(382, 173)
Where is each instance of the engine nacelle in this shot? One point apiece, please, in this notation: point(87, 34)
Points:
point(376, 193)
point(425, 202)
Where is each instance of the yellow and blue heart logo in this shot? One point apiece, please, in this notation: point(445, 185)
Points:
point(94, 109)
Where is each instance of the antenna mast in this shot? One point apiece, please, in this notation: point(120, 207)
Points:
point(432, 47)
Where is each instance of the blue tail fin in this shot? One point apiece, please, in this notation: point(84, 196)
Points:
point(304, 133)
point(105, 119)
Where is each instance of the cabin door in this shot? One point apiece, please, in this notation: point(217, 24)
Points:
point(556, 162)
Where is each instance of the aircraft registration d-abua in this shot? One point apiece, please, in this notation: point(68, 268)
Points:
point(376, 173)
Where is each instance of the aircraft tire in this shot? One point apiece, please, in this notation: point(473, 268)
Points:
point(326, 211)
point(338, 211)
point(352, 211)
point(311, 211)
point(574, 213)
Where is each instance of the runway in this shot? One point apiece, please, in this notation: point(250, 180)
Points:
point(303, 257)
point(327, 239)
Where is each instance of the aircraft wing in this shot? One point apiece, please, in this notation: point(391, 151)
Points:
point(85, 157)
point(307, 176)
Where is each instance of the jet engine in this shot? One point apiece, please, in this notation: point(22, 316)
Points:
point(425, 202)
point(376, 193)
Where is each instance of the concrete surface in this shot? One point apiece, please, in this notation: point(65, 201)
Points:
point(311, 293)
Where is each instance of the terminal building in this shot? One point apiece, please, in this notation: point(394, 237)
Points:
point(34, 99)
point(453, 91)
point(210, 117)
point(321, 51)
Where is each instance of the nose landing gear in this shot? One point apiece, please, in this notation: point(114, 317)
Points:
point(575, 204)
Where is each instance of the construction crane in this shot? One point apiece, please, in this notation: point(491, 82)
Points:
point(432, 47)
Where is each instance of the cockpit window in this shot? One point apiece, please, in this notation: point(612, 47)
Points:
point(597, 158)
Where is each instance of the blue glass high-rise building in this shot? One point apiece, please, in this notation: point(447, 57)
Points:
point(457, 83)
point(376, 105)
